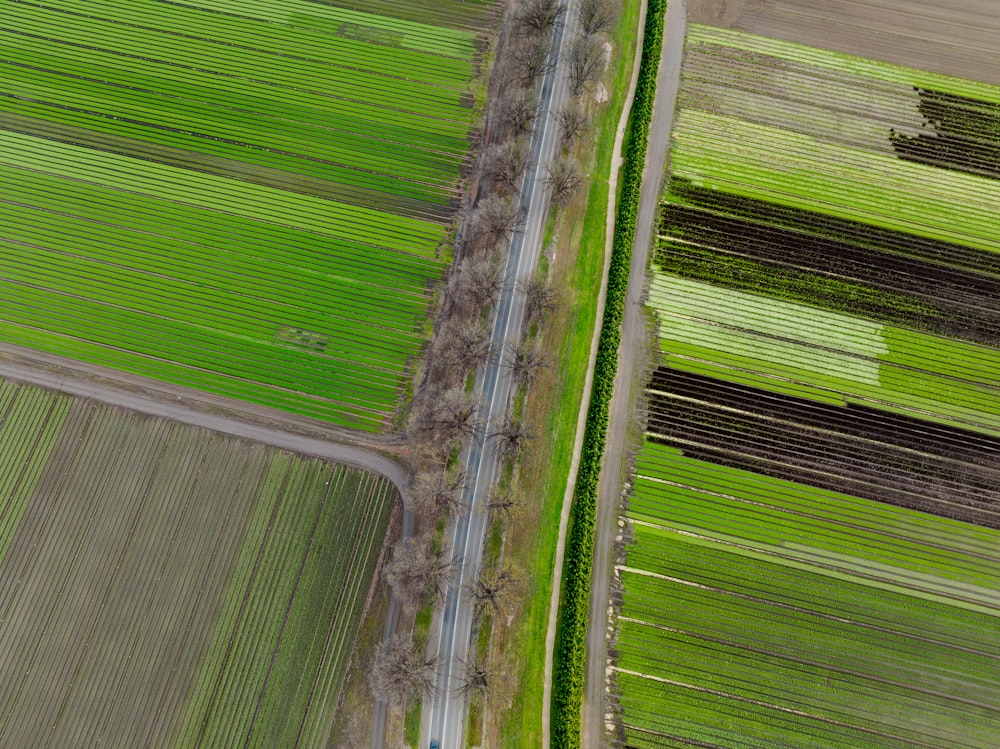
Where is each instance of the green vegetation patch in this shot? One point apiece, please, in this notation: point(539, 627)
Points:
point(249, 198)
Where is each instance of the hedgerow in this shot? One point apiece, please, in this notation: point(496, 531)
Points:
point(570, 655)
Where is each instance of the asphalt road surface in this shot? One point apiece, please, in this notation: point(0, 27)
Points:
point(629, 379)
point(444, 715)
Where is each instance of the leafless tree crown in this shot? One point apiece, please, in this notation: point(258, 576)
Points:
point(518, 109)
point(400, 671)
point(507, 162)
point(446, 417)
point(496, 218)
point(597, 16)
point(564, 180)
point(491, 587)
point(480, 283)
point(525, 362)
point(530, 59)
point(467, 345)
point(540, 16)
point(438, 491)
point(572, 122)
point(502, 503)
point(586, 62)
point(415, 569)
point(540, 298)
point(512, 436)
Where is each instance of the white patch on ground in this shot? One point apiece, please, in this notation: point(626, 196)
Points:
point(600, 93)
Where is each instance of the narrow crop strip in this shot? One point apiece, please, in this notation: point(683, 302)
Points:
point(570, 656)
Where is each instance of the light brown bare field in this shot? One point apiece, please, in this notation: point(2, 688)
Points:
point(118, 577)
point(954, 37)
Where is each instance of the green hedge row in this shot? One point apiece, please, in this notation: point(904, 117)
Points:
point(571, 642)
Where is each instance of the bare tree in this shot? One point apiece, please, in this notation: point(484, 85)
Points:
point(480, 283)
point(506, 162)
point(539, 298)
point(438, 491)
point(586, 62)
point(400, 672)
point(572, 122)
point(446, 417)
point(597, 15)
point(518, 109)
point(490, 588)
point(467, 345)
point(512, 436)
point(530, 59)
point(501, 503)
point(416, 569)
point(539, 16)
point(525, 362)
point(564, 180)
point(495, 218)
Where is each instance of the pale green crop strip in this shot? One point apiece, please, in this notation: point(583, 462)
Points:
point(219, 193)
point(840, 62)
point(793, 169)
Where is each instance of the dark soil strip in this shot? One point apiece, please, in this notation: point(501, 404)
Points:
point(855, 450)
point(871, 239)
point(963, 134)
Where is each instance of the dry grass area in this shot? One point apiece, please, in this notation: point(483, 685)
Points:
point(955, 37)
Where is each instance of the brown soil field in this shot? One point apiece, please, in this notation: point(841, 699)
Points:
point(955, 37)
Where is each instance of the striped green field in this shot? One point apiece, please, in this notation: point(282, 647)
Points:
point(813, 530)
point(164, 586)
point(252, 198)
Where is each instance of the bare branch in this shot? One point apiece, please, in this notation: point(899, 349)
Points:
point(415, 570)
point(572, 122)
point(467, 345)
point(539, 298)
point(502, 503)
point(450, 416)
point(438, 491)
point(525, 363)
point(539, 16)
point(511, 436)
point(479, 679)
point(480, 283)
point(496, 218)
point(518, 109)
point(586, 62)
point(597, 16)
point(490, 588)
point(530, 57)
point(506, 162)
point(564, 179)
point(400, 672)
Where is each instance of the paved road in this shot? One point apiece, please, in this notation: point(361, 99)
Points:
point(631, 371)
point(444, 715)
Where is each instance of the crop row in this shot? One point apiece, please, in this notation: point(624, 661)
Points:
point(844, 354)
point(839, 63)
point(571, 651)
point(352, 223)
point(176, 541)
point(770, 617)
point(792, 169)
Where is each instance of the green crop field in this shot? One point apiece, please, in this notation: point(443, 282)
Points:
point(814, 524)
point(162, 585)
point(249, 198)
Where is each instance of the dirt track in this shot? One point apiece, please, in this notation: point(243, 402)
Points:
point(268, 426)
point(955, 37)
point(631, 372)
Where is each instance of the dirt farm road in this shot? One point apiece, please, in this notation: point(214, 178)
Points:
point(189, 407)
point(629, 379)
